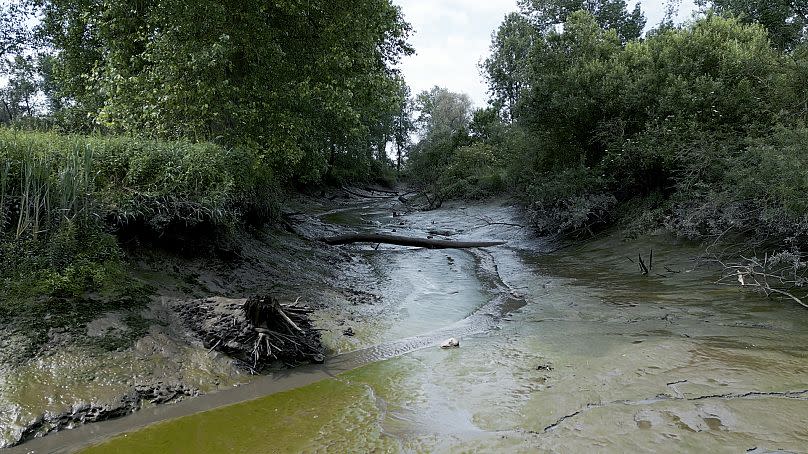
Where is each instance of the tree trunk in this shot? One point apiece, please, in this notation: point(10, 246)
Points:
point(407, 241)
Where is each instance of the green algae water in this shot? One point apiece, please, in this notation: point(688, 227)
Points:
point(600, 358)
point(284, 422)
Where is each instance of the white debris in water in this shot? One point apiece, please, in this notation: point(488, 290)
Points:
point(450, 343)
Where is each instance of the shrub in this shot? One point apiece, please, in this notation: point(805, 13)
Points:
point(570, 200)
point(474, 172)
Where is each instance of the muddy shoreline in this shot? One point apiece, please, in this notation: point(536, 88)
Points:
point(105, 364)
point(501, 301)
point(559, 352)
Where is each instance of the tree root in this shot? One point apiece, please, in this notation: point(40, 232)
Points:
point(271, 322)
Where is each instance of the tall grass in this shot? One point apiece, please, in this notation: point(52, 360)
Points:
point(42, 185)
point(62, 198)
point(47, 179)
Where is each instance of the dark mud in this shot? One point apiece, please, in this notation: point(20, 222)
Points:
point(84, 413)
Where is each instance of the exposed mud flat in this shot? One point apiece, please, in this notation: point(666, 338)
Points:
point(105, 364)
point(562, 351)
point(593, 355)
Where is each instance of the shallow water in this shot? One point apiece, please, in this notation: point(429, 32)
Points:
point(563, 352)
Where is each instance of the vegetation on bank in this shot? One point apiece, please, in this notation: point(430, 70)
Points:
point(700, 128)
point(125, 123)
point(167, 119)
point(66, 200)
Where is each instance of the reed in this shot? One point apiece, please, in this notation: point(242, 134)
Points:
point(63, 199)
point(42, 185)
point(47, 180)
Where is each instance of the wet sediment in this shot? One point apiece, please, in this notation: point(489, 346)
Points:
point(596, 355)
point(102, 360)
point(560, 352)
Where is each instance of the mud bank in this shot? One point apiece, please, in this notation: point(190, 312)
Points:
point(92, 360)
point(562, 350)
point(394, 305)
point(594, 355)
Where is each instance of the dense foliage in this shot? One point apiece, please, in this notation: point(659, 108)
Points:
point(194, 115)
point(310, 85)
point(699, 127)
point(455, 156)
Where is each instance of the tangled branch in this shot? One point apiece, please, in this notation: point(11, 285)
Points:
point(783, 273)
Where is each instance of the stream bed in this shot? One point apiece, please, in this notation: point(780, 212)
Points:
point(566, 351)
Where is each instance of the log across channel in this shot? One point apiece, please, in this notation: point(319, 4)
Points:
point(429, 243)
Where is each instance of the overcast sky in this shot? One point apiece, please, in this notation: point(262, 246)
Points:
point(452, 36)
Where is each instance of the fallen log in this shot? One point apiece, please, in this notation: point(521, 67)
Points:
point(368, 196)
point(428, 243)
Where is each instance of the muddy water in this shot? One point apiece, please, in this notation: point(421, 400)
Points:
point(571, 351)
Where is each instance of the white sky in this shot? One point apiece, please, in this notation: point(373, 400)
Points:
point(452, 36)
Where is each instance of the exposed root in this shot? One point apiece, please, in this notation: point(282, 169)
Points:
point(257, 331)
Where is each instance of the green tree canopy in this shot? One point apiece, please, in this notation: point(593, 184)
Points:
point(442, 113)
point(505, 68)
point(785, 20)
point(304, 81)
point(547, 15)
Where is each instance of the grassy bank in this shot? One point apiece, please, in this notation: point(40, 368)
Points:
point(70, 204)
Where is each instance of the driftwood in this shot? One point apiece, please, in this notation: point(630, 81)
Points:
point(278, 336)
point(428, 243)
point(370, 196)
point(781, 274)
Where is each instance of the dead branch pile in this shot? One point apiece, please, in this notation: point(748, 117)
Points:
point(257, 331)
point(283, 332)
point(784, 274)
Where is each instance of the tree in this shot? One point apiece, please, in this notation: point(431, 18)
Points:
point(505, 68)
point(547, 15)
point(403, 126)
point(308, 83)
point(785, 20)
point(443, 126)
point(487, 125)
point(19, 96)
point(568, 95)
point(442, 113)
point(14, 32)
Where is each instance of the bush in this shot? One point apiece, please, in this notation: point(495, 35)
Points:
point(763, 191)
point(474, 172)
point(569, 200)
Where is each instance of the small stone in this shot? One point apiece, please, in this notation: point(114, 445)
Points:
point(348, 332)
point(450, 343)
